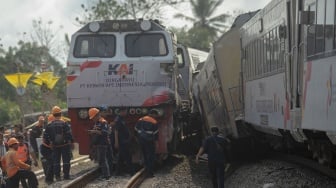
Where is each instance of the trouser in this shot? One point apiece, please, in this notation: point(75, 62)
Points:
point(110, 158)
point(63, 152)
point(148, 150)
point(217, 174)
point(47, 163)
point(102, 160)
point(125, 158)
point(22, 179)
point(13, 182)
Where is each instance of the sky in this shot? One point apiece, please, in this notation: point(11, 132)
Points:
point(16, 15)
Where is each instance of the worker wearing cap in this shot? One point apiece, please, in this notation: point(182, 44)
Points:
point(15, 168)
point(215, 147)
point(100, 140)
point(147, 131)
point(58, 134)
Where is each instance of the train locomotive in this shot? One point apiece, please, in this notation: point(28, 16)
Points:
point(275, 73)
point(135, 64)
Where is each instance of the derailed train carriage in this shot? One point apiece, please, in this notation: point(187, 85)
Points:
point(127, 63)
point(287, 78)
point(217, 87)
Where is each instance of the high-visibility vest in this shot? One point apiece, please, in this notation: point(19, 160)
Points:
point(11, 164)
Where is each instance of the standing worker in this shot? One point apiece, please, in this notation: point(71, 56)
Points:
point(214, 146)
point(147, 129)
point(35, 133)
point(122, 141)
point(16, 169)
point(47, 159)
point(58, 134)
point(100, 139)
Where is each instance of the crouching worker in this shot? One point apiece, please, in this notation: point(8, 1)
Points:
point(16, 169)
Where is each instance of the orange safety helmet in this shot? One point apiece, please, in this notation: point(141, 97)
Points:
point(93, 112)
point(12, 141)
point(51, 118)
point(56, 110)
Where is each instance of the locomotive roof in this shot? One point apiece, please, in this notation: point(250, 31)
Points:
point(122, 26)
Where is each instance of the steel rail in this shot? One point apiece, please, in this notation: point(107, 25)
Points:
point(304, 162)
point(137, 179)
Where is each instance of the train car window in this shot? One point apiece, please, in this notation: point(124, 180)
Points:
point(259, 63)
point(249, 61)
point(268, 48)
point(253, 53)
point(180, 57)
point(320, 13)
point(265, 53)
point(311, 34)
point(140, 45)
point(94, 46)
point(275, 49)
point(329, 25)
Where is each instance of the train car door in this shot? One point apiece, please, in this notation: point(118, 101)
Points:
point(294, 63)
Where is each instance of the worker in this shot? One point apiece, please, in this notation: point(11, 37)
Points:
point(100, 140)
point(3, 148)
point(147, 131)
point(16, 169)
point(46, 159)
point(25, 154)
point(122, 142)
point(36, 132)
point(215, 147)
point(58, 134)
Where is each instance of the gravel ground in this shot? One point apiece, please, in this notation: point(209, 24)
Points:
point(180, 171)
point(276, 174)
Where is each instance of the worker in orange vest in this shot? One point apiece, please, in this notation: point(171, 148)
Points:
point(15, 168)
point(25, 154)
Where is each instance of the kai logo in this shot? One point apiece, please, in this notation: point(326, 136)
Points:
point(120, 69)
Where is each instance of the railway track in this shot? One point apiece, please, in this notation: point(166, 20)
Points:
point(83, 180)
point(40, 174)
point(304, 162)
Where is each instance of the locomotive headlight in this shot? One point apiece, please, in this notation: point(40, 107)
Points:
point(94, 27)
point(132, 111)
point(160, 111)
point(83, 114)
point(138, 111)
point(145, 25)
point(144, 111)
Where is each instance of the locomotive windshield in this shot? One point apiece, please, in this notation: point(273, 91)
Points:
point(95, 46)
point(138, 45)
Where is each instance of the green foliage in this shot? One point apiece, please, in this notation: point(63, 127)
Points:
point(9, 111)
point(27, 57)
point(206, 26)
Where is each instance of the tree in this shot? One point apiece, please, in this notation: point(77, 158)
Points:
point(206, 26)
point(127, 9)
point(45, 34)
